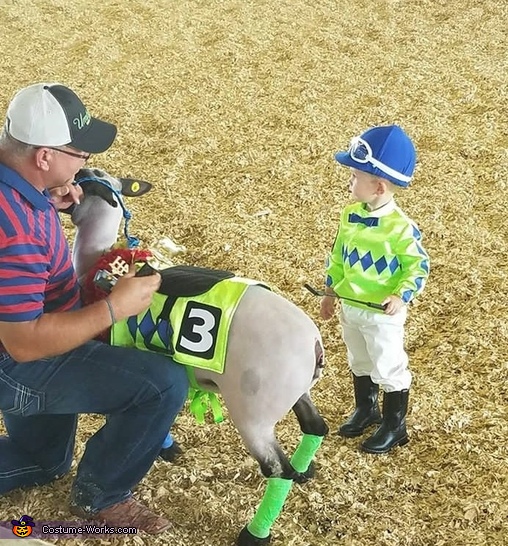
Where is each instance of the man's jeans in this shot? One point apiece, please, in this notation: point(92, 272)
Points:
point(139, 392)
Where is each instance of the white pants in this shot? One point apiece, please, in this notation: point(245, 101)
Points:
point(375, 346)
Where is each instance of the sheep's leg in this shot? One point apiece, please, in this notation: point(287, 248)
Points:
point(311, 423)
point(314, 428)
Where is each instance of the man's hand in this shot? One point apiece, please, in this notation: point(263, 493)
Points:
point(132, 295)
point(393, 305)
point(327, 307)
point(56, 333)
point(65, 196)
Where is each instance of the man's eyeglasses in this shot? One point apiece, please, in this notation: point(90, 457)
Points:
point(85, 157)
point(361, 152)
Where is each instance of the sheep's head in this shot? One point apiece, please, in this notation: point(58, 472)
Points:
point(101, 184)
point(100, 213)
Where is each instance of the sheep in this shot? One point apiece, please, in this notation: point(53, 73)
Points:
point(274, 354)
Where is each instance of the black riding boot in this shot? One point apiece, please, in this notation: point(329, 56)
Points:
point(392, 431)
point(367, 410)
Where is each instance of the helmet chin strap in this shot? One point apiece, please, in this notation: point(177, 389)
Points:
point(132, 242)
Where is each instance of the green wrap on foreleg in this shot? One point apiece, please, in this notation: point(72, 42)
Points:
point(278, 489)
point(305, 452)
point(271, 506)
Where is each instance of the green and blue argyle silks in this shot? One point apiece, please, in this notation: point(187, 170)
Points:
point(377, 254)
point(195, 333)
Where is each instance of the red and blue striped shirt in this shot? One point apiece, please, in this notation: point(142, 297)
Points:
point(36, 271)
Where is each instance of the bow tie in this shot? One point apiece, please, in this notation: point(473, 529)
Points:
point(369, 221)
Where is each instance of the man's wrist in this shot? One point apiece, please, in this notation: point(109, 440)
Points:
point(111, 311)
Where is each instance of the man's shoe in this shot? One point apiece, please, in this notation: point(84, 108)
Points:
point(128, 513)
point(171, 453)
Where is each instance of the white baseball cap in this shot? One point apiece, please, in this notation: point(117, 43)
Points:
point(50, 114)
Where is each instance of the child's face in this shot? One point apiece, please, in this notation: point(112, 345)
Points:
point(365, 187)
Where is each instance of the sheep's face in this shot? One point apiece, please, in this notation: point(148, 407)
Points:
point(88, 176)
point(99, 214)
point(96, 182)
point(99, 186)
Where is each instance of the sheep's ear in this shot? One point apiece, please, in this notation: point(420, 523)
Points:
point(132, 187)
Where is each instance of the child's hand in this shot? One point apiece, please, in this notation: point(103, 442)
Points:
point(327, 307)
point(393, 305)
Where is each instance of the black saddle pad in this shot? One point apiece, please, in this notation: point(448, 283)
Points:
point(188, 280)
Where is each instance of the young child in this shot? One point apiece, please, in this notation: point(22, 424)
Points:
point(377, 258)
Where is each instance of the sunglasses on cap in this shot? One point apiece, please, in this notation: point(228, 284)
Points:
point(361, 152)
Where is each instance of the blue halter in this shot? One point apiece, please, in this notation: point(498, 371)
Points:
point(132, 242)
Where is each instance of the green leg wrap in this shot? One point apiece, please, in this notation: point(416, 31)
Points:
point(271, 506)
point(305, 452)
point(278, 489)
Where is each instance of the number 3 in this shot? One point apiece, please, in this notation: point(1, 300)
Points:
point(201, 327)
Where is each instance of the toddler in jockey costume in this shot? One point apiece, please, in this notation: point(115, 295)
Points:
point(377, 257)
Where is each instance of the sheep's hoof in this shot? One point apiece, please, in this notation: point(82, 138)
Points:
point(311, 471)
point(171, 453)
point(303, 477)
point(246, 538)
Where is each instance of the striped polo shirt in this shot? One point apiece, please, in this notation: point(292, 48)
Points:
point(36, 271)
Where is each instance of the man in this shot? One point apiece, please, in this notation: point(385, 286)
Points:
point(50, 369)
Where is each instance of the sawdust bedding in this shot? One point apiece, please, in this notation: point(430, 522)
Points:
point(233, 110)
